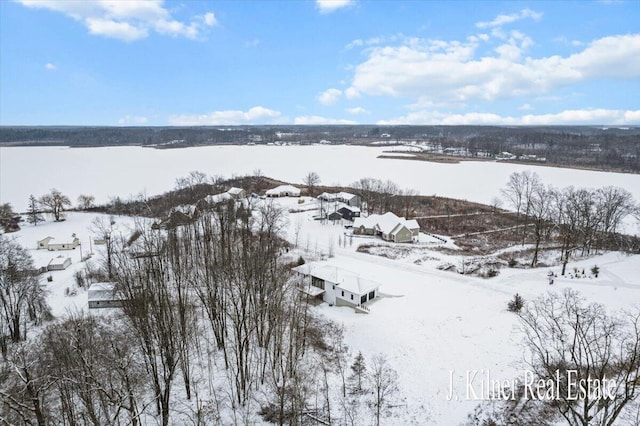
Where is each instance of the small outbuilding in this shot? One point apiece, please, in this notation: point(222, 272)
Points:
point(104, 295)
point(59, 263)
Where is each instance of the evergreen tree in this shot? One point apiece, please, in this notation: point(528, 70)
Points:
point(358, 371)
point(33, 214)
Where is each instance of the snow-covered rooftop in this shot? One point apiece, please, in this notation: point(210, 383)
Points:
point(385, 223)
point(351, 208)
point(283, 188)
point(342, 278)
point(102, 291)
point(218, 198)
point(187, 209)
point(58, 260)
point(235, 191)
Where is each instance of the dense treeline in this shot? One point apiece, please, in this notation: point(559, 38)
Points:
point(212, 330)
point(576, 146)
point(582, 220)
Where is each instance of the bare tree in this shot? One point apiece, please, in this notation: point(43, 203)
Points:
point(384, 383)
point(540, 211)
point(22, 297)
point(519, 193)
point(85, 201)
point(24, 386)
point(614, 205)
point(56, 203)
point(103, 228)
point(574, 345)
point(312, 179)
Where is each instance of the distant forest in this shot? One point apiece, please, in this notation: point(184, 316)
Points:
point(598, 147)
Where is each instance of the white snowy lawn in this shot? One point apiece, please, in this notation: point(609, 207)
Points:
point(427, 322)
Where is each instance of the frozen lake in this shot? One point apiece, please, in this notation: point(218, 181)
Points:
point(125, 171)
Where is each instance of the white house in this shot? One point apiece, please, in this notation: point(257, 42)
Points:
point(185, 209)
point(212, 200)
point(283, 191)
point(388, 226)
point(349, 199)
point(46, 243)
point(236, 193)
point(104, 295)
point(336, 286)
point(343, 197)
point(59, 263)
point(328, 197)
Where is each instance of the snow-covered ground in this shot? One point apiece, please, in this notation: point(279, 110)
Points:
point(79, 224)
point(124, 171)
point(428, 323)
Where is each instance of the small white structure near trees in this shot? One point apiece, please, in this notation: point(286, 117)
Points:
point(236, 193)
point(104, 295)
point(283, 191)
point(59, 263)
point(46, 243)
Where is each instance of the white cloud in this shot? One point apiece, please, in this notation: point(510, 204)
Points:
point(255, 115)
point(210, 19)
point(132, 120)
point(50, 67)
point(126, 20)
point(318, 120)
point(501, 20)
point(451, 71)
point(525, 107)
point(356, 111)
point(352, 93)
point(329, 96)
point(328, 6)
point(119, 30)
point(568, 117)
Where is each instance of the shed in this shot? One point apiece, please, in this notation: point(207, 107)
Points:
point(59, 263)
point(104, 295)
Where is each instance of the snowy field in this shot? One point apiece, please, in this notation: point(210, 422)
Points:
point(124, 171)
point(427, 322)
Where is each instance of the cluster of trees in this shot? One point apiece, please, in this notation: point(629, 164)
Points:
point(212, 331)
point(582, 219)
point(380, 196)
point(56, 204)
point(573, 345)
point(22, 297)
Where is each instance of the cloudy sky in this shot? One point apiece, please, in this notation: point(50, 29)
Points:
point(114, 62)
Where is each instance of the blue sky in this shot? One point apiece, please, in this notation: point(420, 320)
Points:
point(127, 62)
